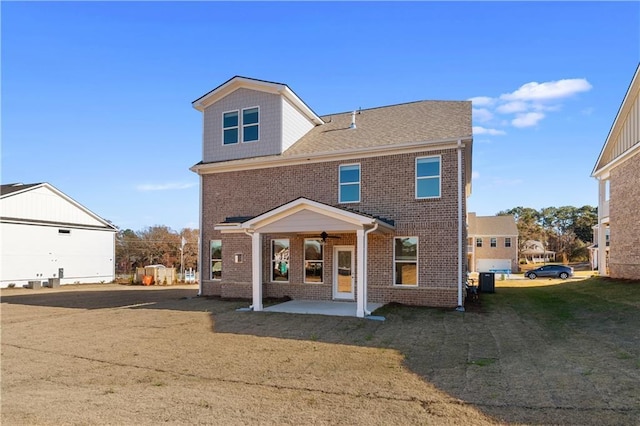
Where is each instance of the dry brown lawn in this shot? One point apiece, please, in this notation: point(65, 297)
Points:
point(112, 354)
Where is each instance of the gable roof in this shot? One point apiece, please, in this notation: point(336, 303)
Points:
point(613, 150)
point(492, 225)
point(35, 215)
point(238, 82)
point(10, 188)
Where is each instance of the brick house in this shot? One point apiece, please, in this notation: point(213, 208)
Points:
point(493, 243)
point(364, 206)
point(618, 172)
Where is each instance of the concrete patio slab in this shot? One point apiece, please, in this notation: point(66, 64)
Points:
point(320, 307)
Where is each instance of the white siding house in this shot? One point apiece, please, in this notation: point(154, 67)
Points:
point(45, 234)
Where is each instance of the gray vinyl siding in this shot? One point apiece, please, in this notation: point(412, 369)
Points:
point(270, 129)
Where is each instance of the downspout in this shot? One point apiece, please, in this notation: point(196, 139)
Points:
point(366, 255)
point(460, 307)
point(200, 240)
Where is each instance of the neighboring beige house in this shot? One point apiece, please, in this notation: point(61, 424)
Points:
point(492, 243)
point(365, 206)
point(618, 172)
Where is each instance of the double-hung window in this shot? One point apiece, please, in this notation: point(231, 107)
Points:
point(507, 242)
point(237, 127)
point(478, 242)
point(405, 261)
point(216, 259)
point(349, 177)
point(250, 125)
point(313, 261)
point(494, 242)
point(230, 127)
point(280, 260)
point(428, 177)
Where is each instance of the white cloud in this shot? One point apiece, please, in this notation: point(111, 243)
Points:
point(527, 119)
point(165, 186)
point(482, 101)
point(482, 115)
point(512, 107)
point(549, 90)
point(479, 130)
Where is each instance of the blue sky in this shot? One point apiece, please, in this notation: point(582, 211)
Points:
point(96, 96)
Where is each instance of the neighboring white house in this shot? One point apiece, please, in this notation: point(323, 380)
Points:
point(46, 234)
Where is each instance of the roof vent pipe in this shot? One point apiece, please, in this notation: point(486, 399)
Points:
point(353, 120)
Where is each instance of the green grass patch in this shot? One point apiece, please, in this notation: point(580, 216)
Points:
point(482, 362)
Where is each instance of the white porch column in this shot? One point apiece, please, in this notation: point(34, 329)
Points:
point(361, 298)
point(256, 270)
point(602, 229)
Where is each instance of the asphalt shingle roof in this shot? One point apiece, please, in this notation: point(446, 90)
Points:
point(420, 121)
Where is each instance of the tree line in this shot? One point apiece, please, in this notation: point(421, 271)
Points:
point(156, 245)
point(566, 230)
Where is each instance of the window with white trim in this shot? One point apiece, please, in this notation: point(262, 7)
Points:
point(280, 260)
point(216, 259)
point(494, 242)
point(349, 183)
point(250, 124)
point(507, 242)
point(428, 177)
point(230, 121)
point(405, 261)
point(478, 242)
point(313, 260)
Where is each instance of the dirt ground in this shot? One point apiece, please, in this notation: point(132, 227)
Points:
point(114, 354)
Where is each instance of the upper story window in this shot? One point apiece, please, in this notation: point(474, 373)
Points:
point(507, 242)
point(428, 177)
point(230, 128)
point(349, 190)
point(494, 242)
point(250, 125)
point(478, 242)
point(232, 123)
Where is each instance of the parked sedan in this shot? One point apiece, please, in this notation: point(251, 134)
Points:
point(552, 271)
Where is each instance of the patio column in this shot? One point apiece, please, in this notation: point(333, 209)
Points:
point(256, 270)
point(361, 298)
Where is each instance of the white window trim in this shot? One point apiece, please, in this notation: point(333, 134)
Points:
point(505, 242)
point(340, 184)
point(211, 261)
point(304, 260)
point(415, 175)
point(417, 284)
point(242, 125)
point(272, 260)
point(479, 240)
point(238, 127)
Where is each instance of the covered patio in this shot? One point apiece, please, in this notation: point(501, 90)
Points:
point(304, 216)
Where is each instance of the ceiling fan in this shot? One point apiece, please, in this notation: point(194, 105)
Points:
point(324, 236)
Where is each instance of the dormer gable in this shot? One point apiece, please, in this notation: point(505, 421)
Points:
point(245, 117)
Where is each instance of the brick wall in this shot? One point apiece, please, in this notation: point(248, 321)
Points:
point(624, 255)
point(387, 190)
